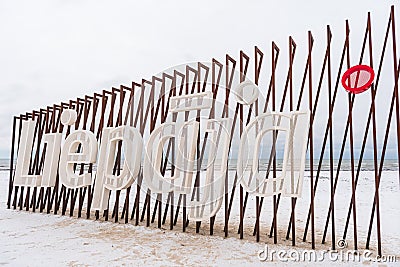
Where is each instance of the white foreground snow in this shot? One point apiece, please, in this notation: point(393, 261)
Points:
point(35, 239)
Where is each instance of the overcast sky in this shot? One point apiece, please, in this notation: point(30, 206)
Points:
point(51, 51)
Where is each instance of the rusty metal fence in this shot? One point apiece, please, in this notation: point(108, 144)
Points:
point(293, 85)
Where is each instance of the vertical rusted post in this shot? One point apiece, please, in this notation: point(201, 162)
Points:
point(353, 187)
point(311, 146)
point(374, 139)
point(292, 46)
point(396, 89)
point(241, 213)
point(228, 83)
point(331, 177)
point(18, 142)
point(383, 153)
point(11, 181)
point(257, 71)
point(275, 205)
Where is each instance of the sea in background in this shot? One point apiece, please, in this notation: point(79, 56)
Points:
point(367, 165)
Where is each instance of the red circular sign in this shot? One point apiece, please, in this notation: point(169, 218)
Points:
point(358, 79)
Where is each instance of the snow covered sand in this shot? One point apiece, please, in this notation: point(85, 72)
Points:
point(34, 239)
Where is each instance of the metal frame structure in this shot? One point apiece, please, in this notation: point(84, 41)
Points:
point(144, 105)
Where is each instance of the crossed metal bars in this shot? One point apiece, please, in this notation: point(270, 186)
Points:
point(144, 105)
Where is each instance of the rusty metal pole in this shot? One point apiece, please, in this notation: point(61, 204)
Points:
point(331, 155)
point(353, 188)
point(396, 90)
point(311, 147)
point(11, 178)
point(275, 206)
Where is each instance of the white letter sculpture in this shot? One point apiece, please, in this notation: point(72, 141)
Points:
point(106, 180)
point(208, 199)
point(293, 127)
point(86, 141)
point(22, 178)
point(52, 156)
point(185, 136)
point(208, 194)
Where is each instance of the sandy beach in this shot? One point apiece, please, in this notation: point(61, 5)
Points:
point(34, 239)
